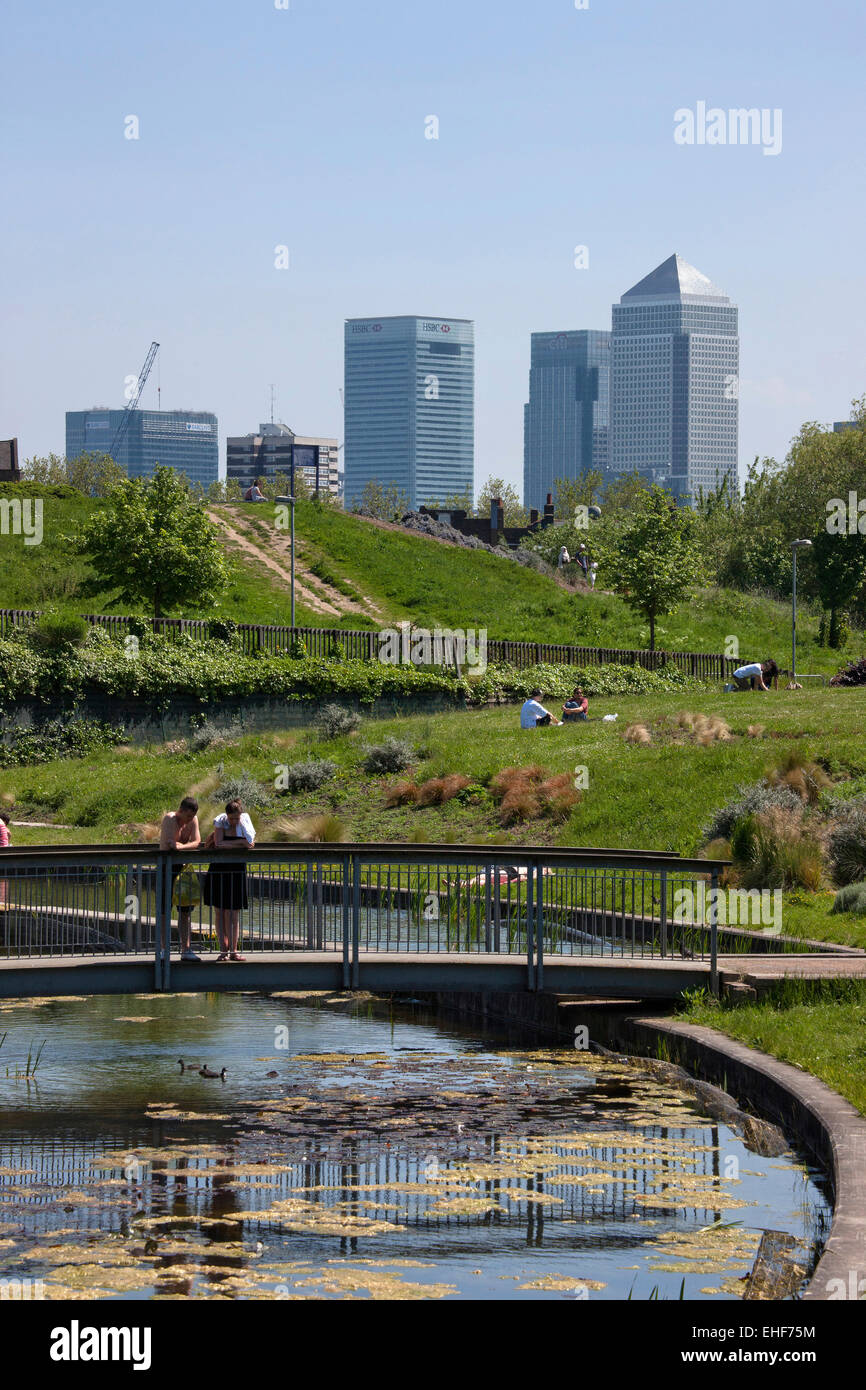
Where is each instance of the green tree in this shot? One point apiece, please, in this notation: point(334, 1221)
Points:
point(840, 569)
point(582, 491)
point(654, 559)
point(152, 544)
point(382, 502)
point(94, 475)
point(515, 512)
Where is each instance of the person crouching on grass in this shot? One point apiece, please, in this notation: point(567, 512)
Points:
point(575, 707)
point(225, 885)
point(179, 829)
point(533, 715)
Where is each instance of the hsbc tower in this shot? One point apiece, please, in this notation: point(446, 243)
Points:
point(410, 407)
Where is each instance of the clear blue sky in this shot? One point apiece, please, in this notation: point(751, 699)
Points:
point(305, 127)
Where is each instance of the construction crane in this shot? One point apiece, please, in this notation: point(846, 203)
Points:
point(132, 404)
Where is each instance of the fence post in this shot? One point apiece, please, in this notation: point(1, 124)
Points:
point(530, 906)
point(356, 921)
point(539, 927)
point(488, 904)
point(162, 964)
point(714, 935)
point(663, 911)
point(347, 979)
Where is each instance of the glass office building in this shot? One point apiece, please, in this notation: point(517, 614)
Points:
point(565, 423)
point(410, 407)
point(674, 381)
point(186, 440)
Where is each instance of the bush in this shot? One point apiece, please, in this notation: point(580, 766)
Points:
point(851, 899)
point(846, 849)
point(222, 630)
point(58, 632)
point(503, 681)
point(750, 801)
point(212, 734)
point(248, 790)
point(22, 741)
point(309, 776)
point(394, 755)
point(333, 721)
point(852, 674)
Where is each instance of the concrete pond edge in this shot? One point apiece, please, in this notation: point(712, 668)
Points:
point(807, 1110)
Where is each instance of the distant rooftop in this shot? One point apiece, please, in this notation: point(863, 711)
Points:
point(675, 279)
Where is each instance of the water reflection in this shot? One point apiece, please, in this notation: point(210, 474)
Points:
point(388, 1157)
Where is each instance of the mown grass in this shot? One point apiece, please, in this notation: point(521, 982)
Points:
point(657, 796)
point(819, 1026)
point(416, 578)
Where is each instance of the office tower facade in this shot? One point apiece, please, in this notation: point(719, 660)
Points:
point(674, 381)
point(566, 421)
point(276, 450)
point(186, 440)
point(410, 407)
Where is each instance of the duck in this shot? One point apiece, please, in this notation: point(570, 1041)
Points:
point(184, 1066)
point(214, 1075)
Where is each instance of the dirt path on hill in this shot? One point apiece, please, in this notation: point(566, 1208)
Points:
point(276, 556)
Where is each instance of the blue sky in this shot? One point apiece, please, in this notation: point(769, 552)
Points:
point(306, 127)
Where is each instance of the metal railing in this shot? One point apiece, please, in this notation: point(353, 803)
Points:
point(533, 903)
point(363, 644)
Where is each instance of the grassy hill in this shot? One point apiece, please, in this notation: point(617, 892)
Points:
point(351, 572)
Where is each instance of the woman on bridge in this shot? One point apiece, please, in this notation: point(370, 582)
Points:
point(225, 885)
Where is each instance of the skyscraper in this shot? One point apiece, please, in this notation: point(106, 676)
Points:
point(565, 423)
point(186, 440)
point(674, 380)
point(410, 406)
point(276, 450)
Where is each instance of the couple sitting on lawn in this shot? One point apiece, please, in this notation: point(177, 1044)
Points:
point(533, 715)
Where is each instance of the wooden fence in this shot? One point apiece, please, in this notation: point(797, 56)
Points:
point(364, 645)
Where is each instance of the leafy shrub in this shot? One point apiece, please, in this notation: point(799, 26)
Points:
point(852, 674)
point(750, 801)
point(248, 790)
point(58, 632)
point(333, 721)
point(852, 898)
point(846, 849)
point(23, 741)
point(394, 755)
point(222, 630)
point(212, 734)
point(309, 776)
point(503, 681)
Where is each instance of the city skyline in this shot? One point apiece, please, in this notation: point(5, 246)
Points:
point(517, 179)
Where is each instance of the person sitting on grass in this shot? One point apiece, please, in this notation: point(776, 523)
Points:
point(575, 707)
point(756, 675)
point(533, 714)
point(179, 829)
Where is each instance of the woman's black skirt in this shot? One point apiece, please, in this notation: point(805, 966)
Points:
point(225, 887)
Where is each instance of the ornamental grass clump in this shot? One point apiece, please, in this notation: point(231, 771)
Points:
point(777, 849)
point(846, 847)
point(320, 829)
point(437, 790)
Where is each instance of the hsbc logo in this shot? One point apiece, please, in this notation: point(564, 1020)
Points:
point(436, 327)
point(366, 328)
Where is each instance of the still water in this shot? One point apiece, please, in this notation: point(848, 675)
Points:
point(355, 1153)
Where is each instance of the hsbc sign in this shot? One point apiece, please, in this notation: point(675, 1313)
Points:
point(366, 328)
point(435, 328)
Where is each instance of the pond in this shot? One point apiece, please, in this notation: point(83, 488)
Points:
point(356, 1149)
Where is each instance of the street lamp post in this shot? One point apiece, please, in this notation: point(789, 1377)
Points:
point(290, 502)
point(795, 546)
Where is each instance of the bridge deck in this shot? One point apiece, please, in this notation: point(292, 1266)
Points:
point(410, 972)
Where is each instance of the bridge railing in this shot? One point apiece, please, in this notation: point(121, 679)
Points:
point(529, 902)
